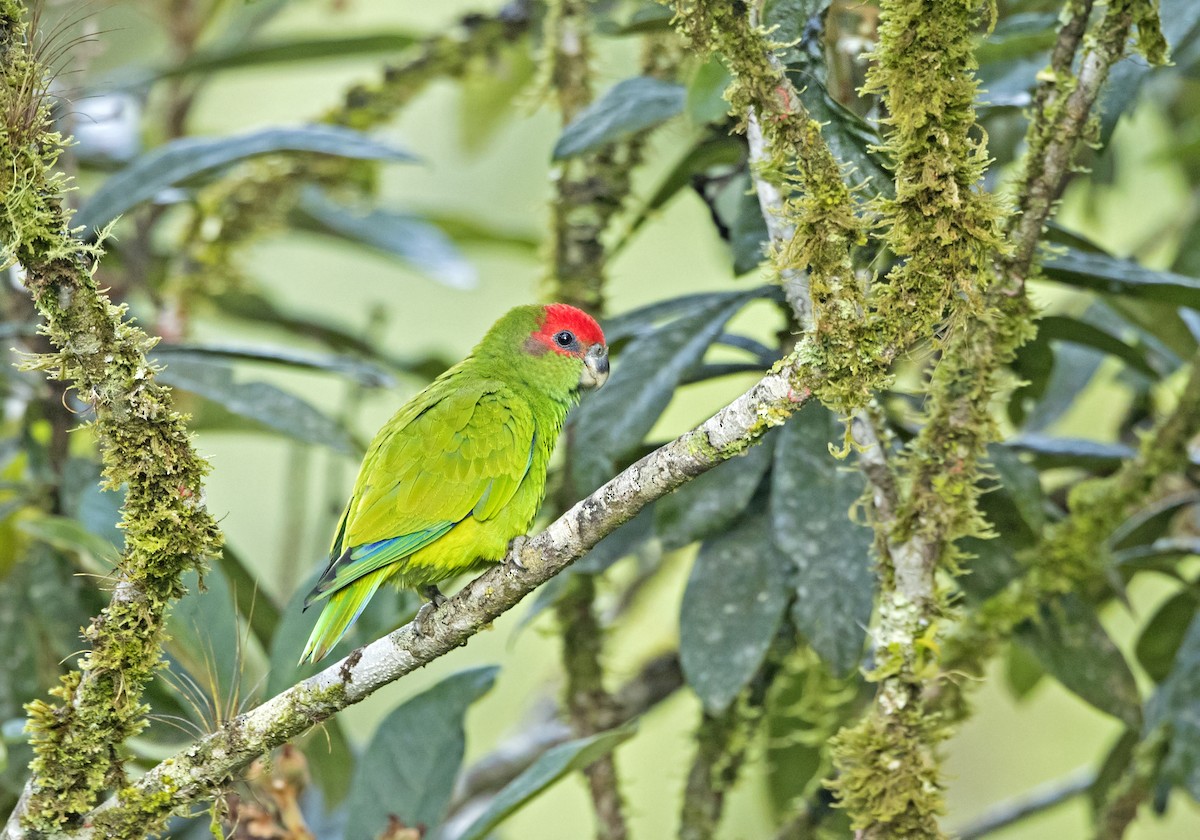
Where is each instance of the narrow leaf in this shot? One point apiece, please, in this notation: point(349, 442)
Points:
point(410, 238)
point(553, 765)
point(812, 496)
point(186, 158)
point(291, 50)
point(1161, 638)
point(413, 758)
point(1175, 707)
point(364, 372)
point(628, 107)
point(1110, 275)
point(265, 404)
point(732, 607)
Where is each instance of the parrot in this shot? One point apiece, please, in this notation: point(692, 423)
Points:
point(460, 470)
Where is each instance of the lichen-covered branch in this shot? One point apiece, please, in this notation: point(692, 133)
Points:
point(810, 209)
point(139, 808)
point(1062, 108)
point(144, 445)
point(1093, 503)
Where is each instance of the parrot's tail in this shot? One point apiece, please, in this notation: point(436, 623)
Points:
point(340, 611)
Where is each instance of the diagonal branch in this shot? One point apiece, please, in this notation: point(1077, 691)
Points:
point(193, 773)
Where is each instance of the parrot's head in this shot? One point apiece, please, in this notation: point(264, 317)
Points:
point(571, 333)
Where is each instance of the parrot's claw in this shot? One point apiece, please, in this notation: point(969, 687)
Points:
point(515, 546)
point(436, 599)
point(434, 595)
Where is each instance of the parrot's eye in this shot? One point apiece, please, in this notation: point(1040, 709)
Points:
point(565, 338)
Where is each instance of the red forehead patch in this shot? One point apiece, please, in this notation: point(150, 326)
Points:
point(560, 316)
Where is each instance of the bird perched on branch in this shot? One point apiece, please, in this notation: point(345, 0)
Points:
point(460, 470)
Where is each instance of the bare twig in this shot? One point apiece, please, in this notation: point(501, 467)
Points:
point(1040, 799)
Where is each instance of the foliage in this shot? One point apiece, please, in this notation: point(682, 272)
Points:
point(978, 493)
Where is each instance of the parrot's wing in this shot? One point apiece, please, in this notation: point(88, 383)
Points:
point(462, 455)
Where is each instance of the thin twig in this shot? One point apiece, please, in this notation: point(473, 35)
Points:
point(1040, 799)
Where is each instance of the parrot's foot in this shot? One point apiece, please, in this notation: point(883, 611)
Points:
point(436, 599)
point(515, 546)
point(434, 595)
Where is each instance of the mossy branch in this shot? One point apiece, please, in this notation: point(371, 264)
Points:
point(144, 445)
point(143, 806)
point(1052, 137)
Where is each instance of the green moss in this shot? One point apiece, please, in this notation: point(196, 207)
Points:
point(144, 444)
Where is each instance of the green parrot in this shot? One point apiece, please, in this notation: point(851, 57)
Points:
point(460, 470)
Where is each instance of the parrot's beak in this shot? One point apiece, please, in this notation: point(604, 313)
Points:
point(595, 368)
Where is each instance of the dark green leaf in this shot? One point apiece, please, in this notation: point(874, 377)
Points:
point(364, 372)
point(1176, 708)
point(614, 420)
point(1151, 522)
point(1079, 332)
point(1102, 273)
point(551, 766)
point(621, 543)
point(265, 404)
point(1163, 634)
point(294, 49)
point(852, 141)
point(651, 17)
point(181, 160)
point(748, 233)
point(1022, 671)
point(709, 504)
point(1052, 452)
point(1162, 554)
point(812, 495)
point(1116, 762)
point(732, 607)
point(715, 151)
point(1022, 485)
point(706, 100)
point(413, 758)
point(628, 107)
point(1076, 650)
point(410, 238)
point(1073, 369)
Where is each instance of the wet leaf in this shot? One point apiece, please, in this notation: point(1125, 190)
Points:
point(732, 607)
point(812, 496)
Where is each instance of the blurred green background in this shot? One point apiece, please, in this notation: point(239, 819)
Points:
point(277, 499)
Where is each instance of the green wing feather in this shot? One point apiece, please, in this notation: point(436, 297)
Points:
point(458, 449)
